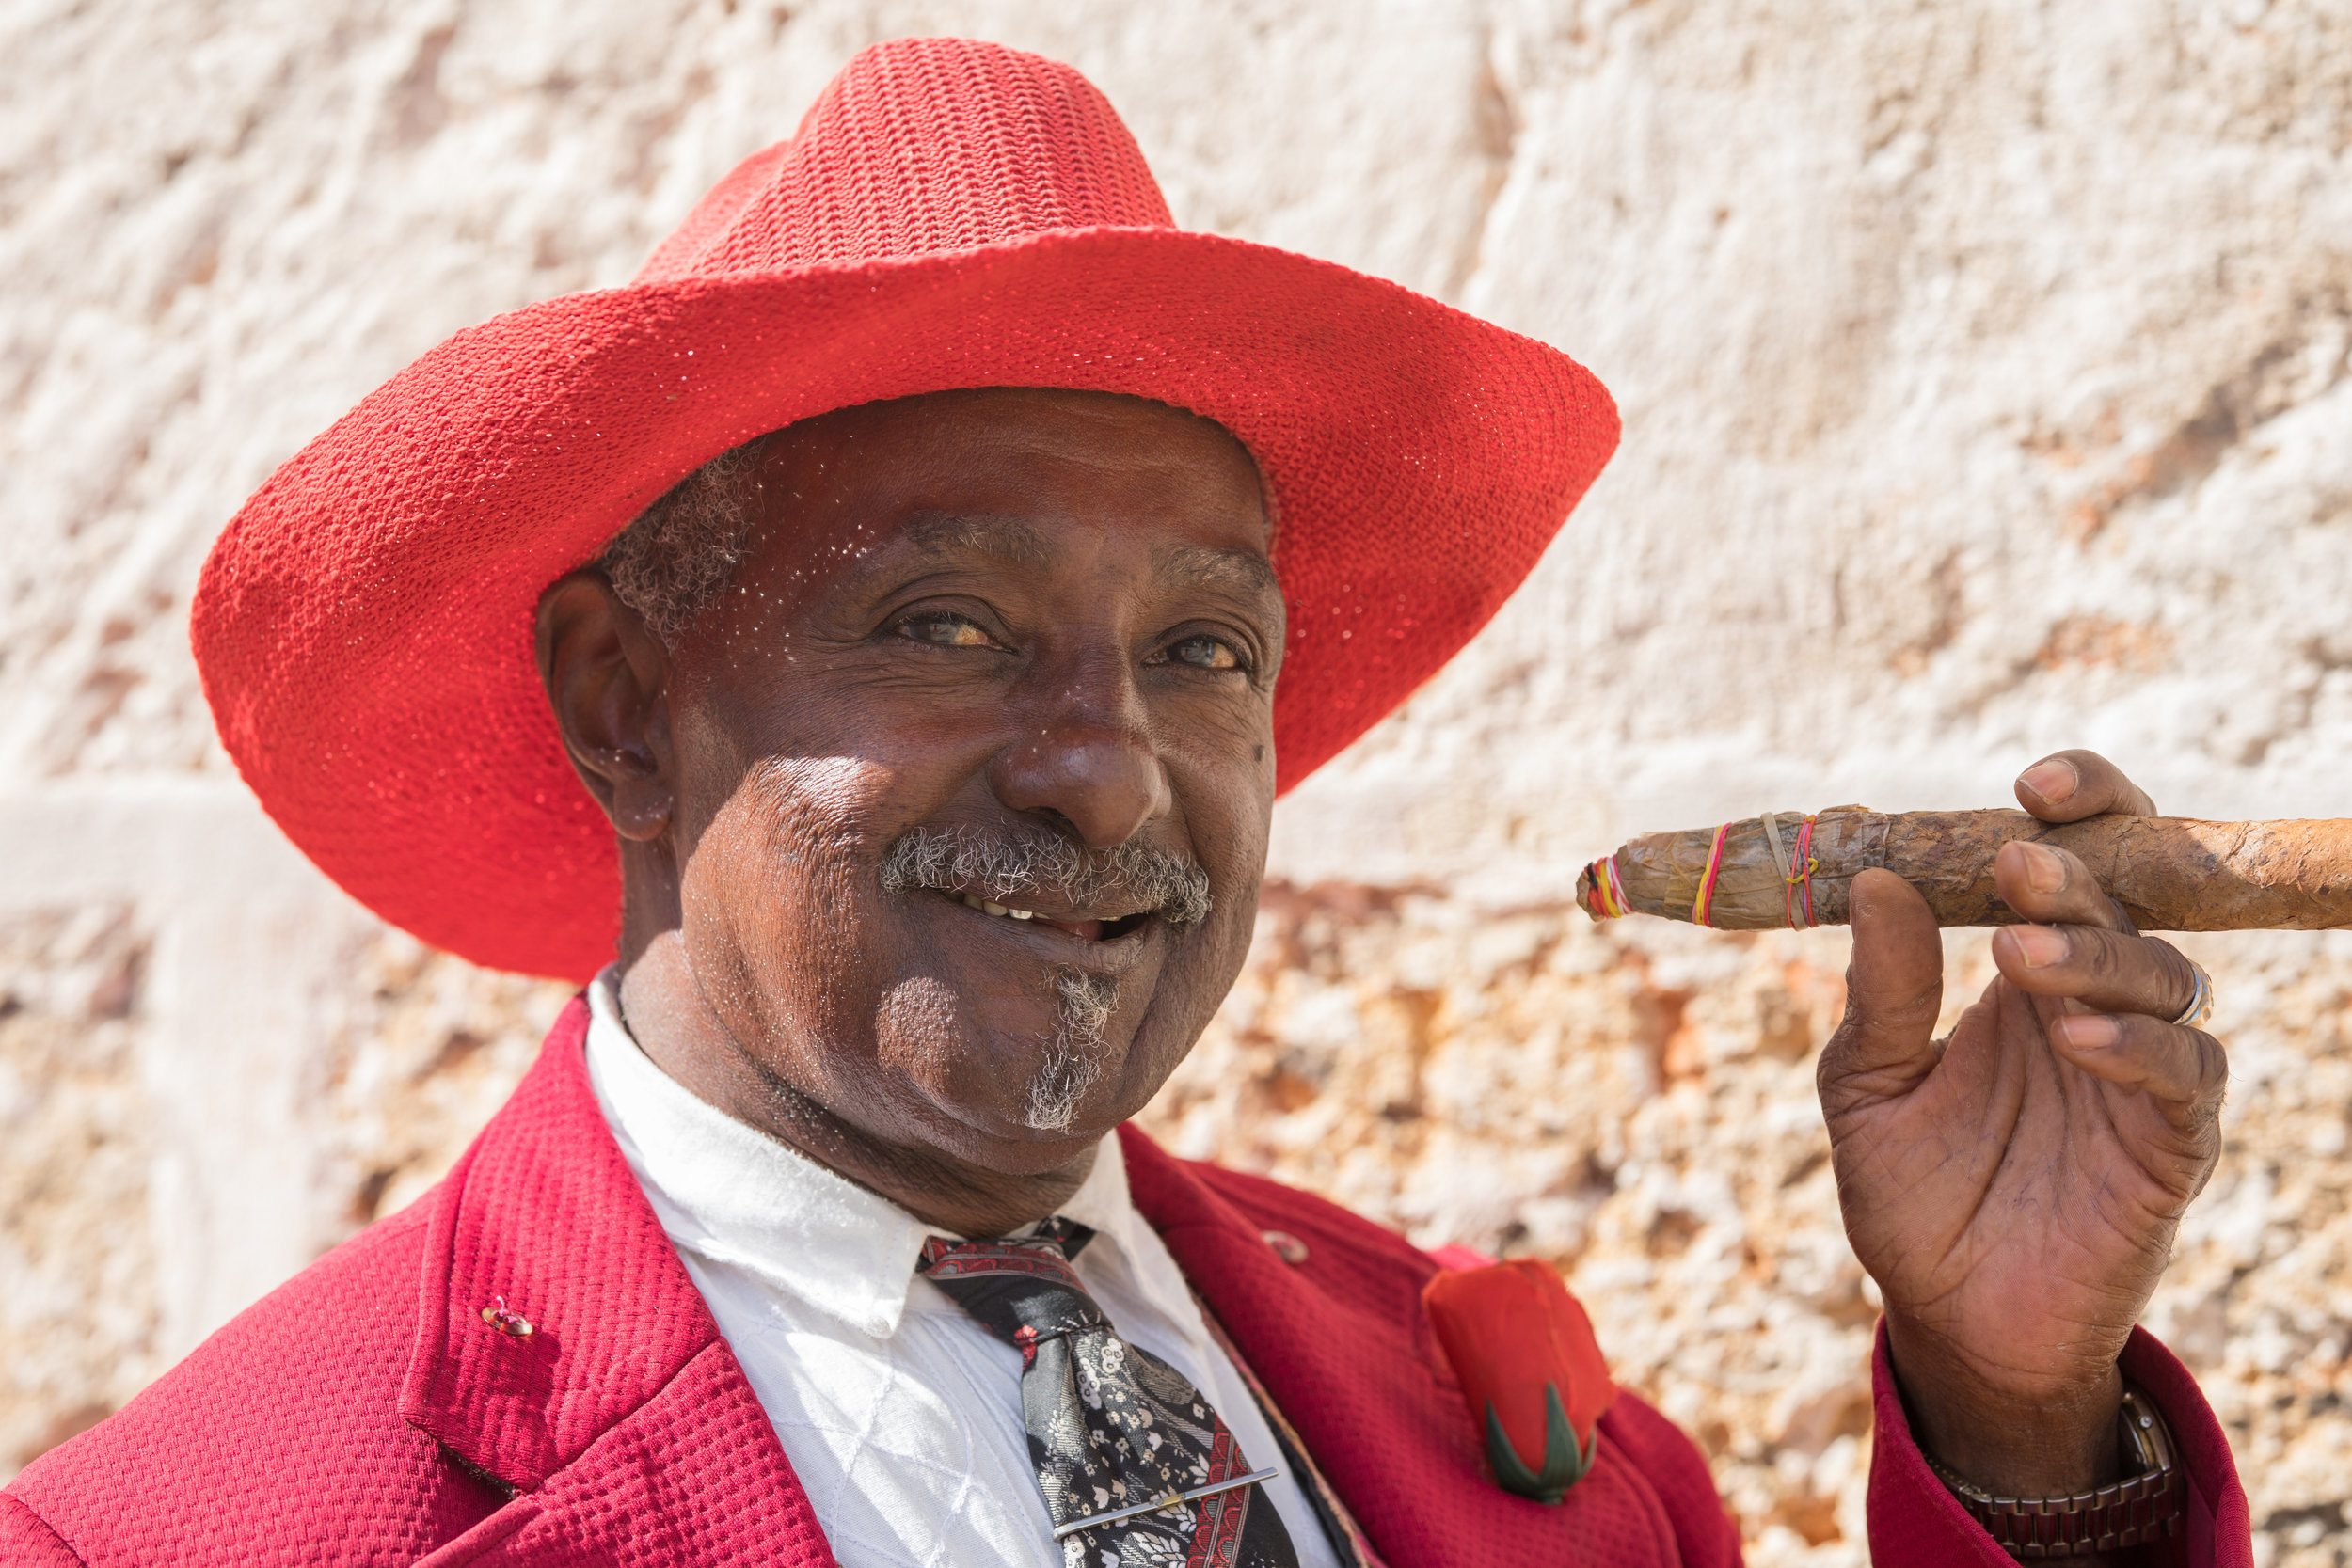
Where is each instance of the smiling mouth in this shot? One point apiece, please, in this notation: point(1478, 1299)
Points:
point(1087, 930)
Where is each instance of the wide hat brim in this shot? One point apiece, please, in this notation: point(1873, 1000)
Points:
point(364, 625)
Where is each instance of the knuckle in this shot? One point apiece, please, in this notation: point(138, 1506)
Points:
point(2130, 970)
point(2096, 950)
point(2083, 898)
point(2176, 977)
point(2098, 775)
point(2213, 1067)
point(2104, 788)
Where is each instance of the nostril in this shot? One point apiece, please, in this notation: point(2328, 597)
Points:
point(1059, 821)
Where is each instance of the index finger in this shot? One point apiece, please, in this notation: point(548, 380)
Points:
point(2066, 786)
point(2053, 887)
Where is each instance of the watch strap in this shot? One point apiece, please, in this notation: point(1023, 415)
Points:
point(2145, 1506)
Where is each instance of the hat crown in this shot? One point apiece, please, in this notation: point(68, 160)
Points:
point(921, 146)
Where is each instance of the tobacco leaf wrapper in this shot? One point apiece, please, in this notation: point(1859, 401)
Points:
point(2169, 873)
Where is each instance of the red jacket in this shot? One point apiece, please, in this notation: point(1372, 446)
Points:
point(364, 1413)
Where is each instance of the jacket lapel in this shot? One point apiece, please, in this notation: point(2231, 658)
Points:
point(1344, 1348)
point(631, 1436)
point(621, 1417)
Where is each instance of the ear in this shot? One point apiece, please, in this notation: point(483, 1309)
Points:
point(606, 678)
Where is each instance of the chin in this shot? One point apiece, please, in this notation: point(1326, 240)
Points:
point(1025, 1109)
point(1058, 1102)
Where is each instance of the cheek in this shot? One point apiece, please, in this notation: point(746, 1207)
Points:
point(786, 857)
point(1227, 799)
point(1198, 975)
point(919, 1026)
point(1228, 819)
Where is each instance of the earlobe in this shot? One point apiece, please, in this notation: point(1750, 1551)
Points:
point(637, 796)
point(606, 677)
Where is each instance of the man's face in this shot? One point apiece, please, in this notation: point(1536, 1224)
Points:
point(974, 763)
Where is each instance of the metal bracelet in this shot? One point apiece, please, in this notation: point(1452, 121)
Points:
point(2144, 1508)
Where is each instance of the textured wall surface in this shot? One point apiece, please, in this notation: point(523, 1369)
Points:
point(1984, 366)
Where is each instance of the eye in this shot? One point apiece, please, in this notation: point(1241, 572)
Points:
point(1204, 652)
point(945, 629)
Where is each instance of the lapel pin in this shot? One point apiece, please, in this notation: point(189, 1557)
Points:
point(512, 1325)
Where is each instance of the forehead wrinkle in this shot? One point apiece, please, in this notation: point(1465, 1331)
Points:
point(941, 533)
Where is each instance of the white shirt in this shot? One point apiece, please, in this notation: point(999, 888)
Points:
point(900, 1414)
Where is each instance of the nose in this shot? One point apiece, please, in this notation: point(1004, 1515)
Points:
point(1085, 758)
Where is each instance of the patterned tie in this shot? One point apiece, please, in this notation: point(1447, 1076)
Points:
point(1116, 1435)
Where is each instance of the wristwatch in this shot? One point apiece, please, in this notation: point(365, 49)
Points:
point(2144, 1507)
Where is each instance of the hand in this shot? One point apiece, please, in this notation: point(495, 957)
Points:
point(2014, 1187)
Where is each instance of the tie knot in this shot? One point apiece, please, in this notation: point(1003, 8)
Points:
point(1045, 1255)
point(1022, 1287)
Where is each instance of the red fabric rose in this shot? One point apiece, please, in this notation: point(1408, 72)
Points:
point(1530, 1370)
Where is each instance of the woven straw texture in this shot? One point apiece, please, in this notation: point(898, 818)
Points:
point(950, 214)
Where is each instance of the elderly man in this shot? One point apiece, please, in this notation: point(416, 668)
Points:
point(1026, 547)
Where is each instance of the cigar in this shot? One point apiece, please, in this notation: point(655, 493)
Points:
point(1787, 869)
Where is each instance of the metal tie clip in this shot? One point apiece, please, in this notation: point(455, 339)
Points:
point(1169, 1501)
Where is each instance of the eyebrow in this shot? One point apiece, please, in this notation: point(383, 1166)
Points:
point(1011, 540)
point(1242, 569)
point(1006, 538)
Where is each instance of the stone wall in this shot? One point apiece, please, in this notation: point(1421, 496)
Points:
point(1984, 372)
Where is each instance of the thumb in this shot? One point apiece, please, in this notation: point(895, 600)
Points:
point(1893, 992)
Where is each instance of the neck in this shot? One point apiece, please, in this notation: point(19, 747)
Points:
point(649, 896)
point(676, 1026)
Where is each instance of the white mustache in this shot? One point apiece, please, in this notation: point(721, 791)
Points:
point(1018, 859)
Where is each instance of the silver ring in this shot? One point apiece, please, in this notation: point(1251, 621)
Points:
point(2199, 1009)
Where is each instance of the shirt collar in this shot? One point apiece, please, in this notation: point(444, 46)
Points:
point(728, 1192)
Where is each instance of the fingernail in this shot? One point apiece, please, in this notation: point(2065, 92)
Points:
point(2039, 945)
point(2045, 871)
point(2054, 780)
point(2090, 1032)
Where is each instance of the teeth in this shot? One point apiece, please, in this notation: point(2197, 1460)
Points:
point(987, 908)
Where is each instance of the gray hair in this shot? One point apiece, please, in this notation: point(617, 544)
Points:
point(1013, 858)
point(684, 548)
point(1076, 1056)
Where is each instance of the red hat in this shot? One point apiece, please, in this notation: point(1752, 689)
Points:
point(949, 214)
